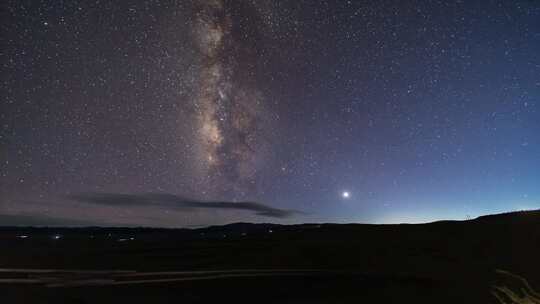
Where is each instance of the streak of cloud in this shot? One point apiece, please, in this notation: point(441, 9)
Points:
point(177, 202)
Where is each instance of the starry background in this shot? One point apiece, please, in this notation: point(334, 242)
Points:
point(185, 113)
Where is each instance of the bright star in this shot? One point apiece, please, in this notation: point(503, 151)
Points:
point(345, 194)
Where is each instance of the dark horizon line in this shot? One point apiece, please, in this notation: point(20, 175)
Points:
point(199, 227)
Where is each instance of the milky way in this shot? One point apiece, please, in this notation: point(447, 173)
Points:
point(230, 112)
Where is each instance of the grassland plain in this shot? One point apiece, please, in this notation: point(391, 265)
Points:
point(440, 262)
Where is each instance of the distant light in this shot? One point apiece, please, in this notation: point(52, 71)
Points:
point(346, 194)
point(122, 240)
point(270, 231)
point(57, 237)
point(22, 236)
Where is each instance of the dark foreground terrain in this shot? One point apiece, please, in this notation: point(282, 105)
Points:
point(441, 262)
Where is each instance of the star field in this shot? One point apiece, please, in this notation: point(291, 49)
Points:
point(297, 111)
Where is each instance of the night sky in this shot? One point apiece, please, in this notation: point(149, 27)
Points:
point(187, 113)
